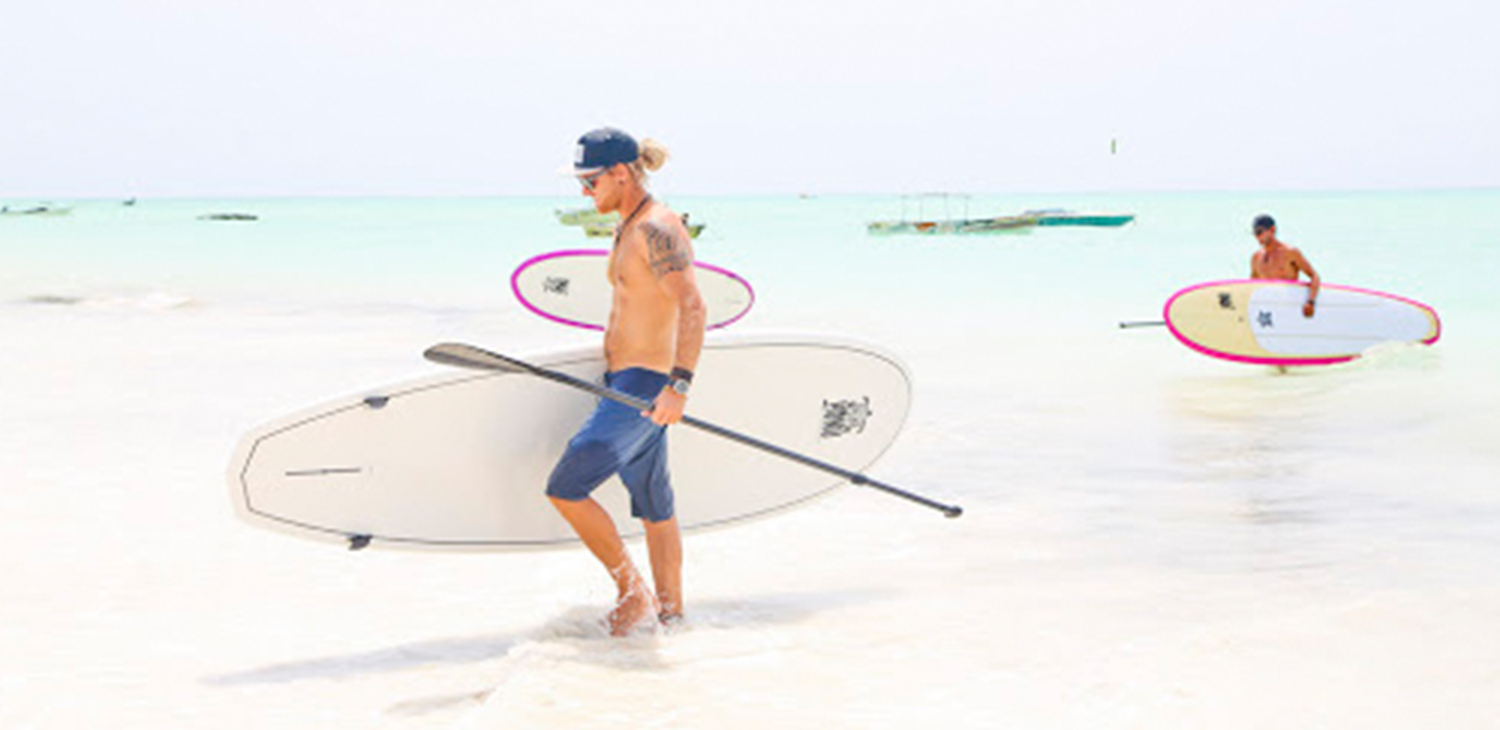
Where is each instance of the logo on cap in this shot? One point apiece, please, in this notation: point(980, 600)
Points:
point(602, 148)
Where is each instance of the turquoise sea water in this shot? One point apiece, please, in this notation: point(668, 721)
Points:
point(1437, 246)
point(1153, 538)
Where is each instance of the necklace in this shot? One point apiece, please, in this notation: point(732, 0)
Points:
point(620, 231)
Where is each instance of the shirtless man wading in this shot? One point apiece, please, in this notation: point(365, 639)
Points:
point(1276, 260)
point(651, 346)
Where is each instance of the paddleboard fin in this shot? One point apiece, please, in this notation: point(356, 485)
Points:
point(358, 542)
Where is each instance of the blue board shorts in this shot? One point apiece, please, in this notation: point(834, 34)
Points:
point(617, 439)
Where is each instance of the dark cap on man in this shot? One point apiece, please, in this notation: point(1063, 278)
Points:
point(604, 148)
point(1263, 223)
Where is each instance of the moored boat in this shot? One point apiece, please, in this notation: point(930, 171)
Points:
point(228, 217)
point(1061, 217)
point(584, 217)
point(605, 229)
point(948, 224)
point(43, 209)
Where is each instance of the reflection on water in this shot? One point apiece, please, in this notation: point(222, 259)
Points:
point(1268, 425)
point(1274, 471)
point(1260, 426)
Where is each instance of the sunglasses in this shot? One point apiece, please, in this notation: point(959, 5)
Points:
point(589, 181)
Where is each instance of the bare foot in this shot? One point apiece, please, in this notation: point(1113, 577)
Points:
point(635, 606)
point(669, 613)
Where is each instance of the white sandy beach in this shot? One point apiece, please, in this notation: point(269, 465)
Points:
point(1151, 539)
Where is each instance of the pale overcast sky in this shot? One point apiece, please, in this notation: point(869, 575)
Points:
point(465, 97)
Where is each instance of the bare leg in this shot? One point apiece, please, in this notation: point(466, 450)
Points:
point(634, 603)
point(664, 542)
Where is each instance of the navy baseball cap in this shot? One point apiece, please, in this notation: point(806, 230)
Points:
point(602, 148)
point(1263, 222)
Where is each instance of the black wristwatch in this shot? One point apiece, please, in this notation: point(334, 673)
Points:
point(682, 380)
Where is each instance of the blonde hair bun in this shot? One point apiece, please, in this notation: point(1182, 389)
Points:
point(653, 154)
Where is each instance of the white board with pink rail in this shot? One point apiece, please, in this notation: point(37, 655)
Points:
point(572, 288)
point(1262, 322)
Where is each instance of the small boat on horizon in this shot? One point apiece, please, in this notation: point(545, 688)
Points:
point(228, 217)
point(584, 216)
point(1000, 224)
point(606, 229)
point(961, 226)
point(41, 209)
point(1063, 217)
point(949, 224)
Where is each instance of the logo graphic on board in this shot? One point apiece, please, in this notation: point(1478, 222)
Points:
point(556, 285)
point(1263, 318)
point(842, 417)
point(1225, 300)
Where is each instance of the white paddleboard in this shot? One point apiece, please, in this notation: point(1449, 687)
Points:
point(459, 461)
point(1261, 321)
point(572, 288)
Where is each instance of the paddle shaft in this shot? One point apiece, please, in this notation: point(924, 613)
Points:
point(948, 510)
point(1128, 325)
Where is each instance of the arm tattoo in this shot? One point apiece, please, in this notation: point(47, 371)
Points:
point(668, 249)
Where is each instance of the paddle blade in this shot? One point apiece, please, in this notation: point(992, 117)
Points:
point(469, 356)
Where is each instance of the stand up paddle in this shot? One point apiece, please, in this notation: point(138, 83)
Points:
point(468, 356)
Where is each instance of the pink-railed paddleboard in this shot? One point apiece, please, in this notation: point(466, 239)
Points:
point(572, 287)
point(1261, 321)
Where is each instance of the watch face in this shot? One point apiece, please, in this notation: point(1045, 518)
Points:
point(681, 386)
